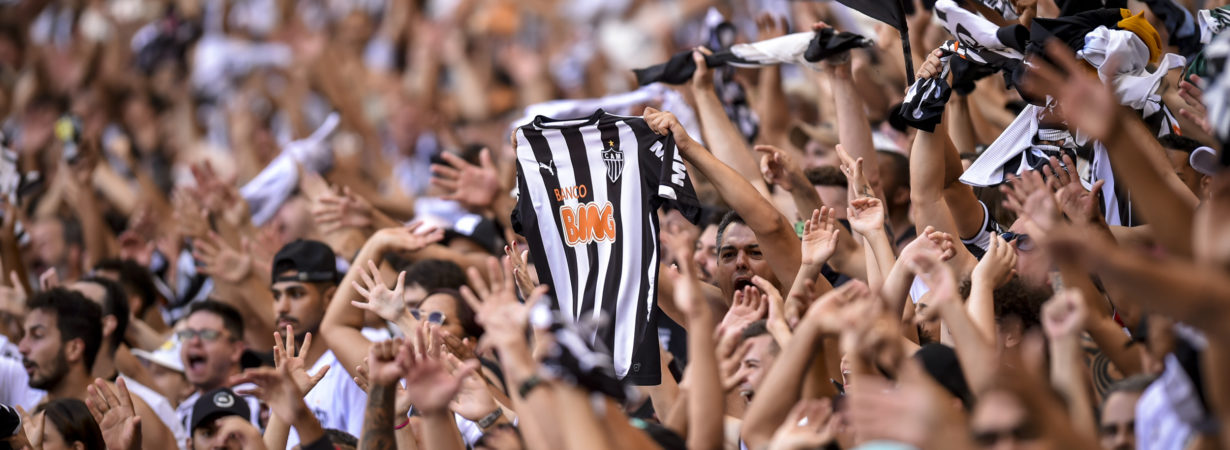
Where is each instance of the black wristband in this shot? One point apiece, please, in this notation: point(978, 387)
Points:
point(528, 385)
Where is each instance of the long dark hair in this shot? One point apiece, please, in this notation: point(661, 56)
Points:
point(73, 420)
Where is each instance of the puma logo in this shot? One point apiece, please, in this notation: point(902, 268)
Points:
point(548, 167)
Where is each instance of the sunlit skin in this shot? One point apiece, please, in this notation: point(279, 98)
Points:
point(739, 260)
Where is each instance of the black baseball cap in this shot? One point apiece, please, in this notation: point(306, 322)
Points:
point(217, 403)
point(311, 260)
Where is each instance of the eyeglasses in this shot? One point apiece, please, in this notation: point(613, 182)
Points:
point(1020, 433)
point(206, 335)
point(1023, 241)
point(435, 317)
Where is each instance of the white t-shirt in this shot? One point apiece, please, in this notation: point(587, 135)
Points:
point(162, 407)
point(15, 387)
point(337, 402)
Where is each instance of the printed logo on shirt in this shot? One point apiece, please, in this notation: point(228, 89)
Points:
point(614, 159)
point(549, 167)
point(588, 222)
point(571, 192)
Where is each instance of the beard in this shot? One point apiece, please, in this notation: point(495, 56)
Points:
point(53, 373)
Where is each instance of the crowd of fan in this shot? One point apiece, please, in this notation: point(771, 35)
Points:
point(277, 223)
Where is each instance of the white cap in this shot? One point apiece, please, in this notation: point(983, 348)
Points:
point(1204, 160)
point(166, 355)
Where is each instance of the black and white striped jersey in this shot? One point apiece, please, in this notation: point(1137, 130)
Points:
point(589, 191)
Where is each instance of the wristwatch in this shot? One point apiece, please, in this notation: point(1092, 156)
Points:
point(489, 420)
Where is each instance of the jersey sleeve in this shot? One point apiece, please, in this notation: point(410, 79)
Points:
point(674, 184)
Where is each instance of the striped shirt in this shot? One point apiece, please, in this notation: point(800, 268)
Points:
point(589, 191)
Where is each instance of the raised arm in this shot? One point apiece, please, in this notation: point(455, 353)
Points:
point(706, 409)
point(728, 145)
point(1063, 319)
point(776, 234)
point(770, 407)
point(343, 321)
point(1138, 160)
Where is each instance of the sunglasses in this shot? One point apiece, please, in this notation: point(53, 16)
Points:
point(206, 335)
point(435, 317)
point(1020, 433)
point(1023, 241)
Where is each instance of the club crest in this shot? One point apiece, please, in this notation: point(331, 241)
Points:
point(614, 159)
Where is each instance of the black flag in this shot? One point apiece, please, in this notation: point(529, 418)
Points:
point(891, 12)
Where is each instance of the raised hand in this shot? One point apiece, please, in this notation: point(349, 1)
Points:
point(191, 219)
point(931, 240)
point(777, 167)
point(932, 67)
point(401, 405)
point(33, 426)
point(389, 304)
point(1089, 105)
point(663, 123)
point(13, 297)
point(856, 178)
point(748, 306)
point(521, 269)
point(702, 78)
point(1064, 315)
point(866, 215)
point(429, 383)
point(1080, 205)
point(334, 211)
point(997, 266)
point(826, 312)
point(495, 304)
point(474, 400)
point(730, 353)
point(1192, 93)
point(475, 187)
point(384, 365)
point(277, 388)
point(120, 425)
point(284, 356)
point(220, 260)
point(49, 279)
point(410, 238)
point(809, 425)
point(819, 237)
point(1032, 198)
point(769, 27)
point(776, 321)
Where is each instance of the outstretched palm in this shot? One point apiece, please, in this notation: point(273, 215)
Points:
point(384, 302)
point(819, 237)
